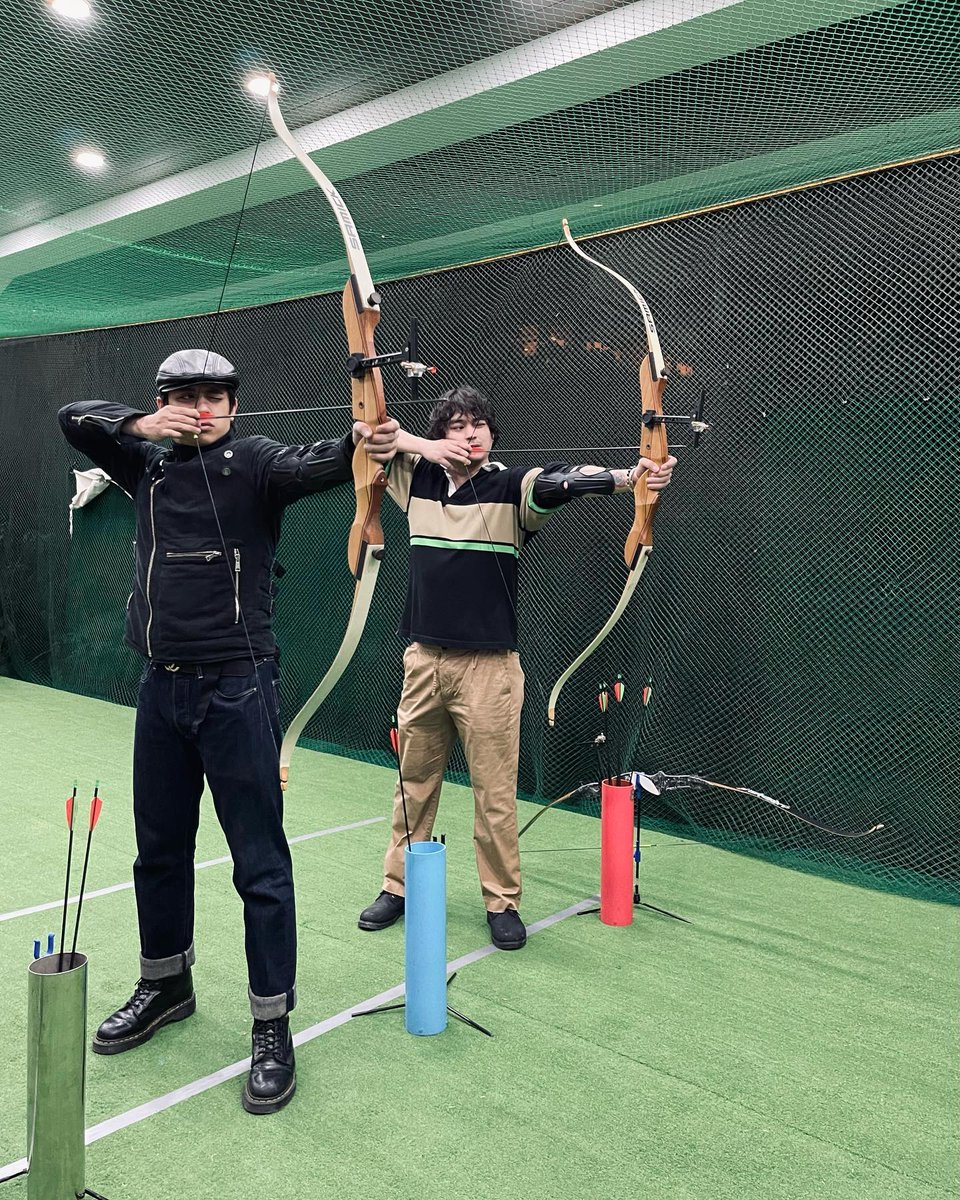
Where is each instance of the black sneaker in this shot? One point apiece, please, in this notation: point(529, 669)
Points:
point(273, 1077)
point(383, 912)
point(154, 1003)
point(507, 930)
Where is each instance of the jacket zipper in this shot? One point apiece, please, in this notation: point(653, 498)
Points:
point(206, 555)
point(153, 554)
point(106, 421)
point(130, 597)
point(236, 585)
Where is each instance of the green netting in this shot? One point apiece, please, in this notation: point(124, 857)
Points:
point(459, 131)
point(798, 618)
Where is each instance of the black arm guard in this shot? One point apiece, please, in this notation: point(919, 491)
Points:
point(558, 483)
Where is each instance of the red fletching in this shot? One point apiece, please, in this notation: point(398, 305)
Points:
point(619, 688)
point(603, 697)
point(394, 740)
point(70, 800)
point(204, 414)
point(96, 804)
point(647, 693)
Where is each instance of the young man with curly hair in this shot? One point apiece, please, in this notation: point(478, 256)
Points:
point(469, 519)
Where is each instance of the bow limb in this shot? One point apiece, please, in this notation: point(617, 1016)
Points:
point(365, 544)
point(362, 596)
point(653, 340)
point(665, 782)
point(584, 654)
point(359, 271)
point(584, 787)
point(653, 445)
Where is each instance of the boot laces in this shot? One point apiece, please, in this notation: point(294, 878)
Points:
point(141, 994)
point(269, 1038)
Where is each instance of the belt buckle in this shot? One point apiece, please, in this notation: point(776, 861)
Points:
point(171, 667)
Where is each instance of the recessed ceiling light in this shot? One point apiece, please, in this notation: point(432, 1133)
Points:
point(76, 10)
point(261, 85)
point(89, 160)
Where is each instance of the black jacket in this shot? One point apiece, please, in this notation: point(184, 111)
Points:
point(190, 600)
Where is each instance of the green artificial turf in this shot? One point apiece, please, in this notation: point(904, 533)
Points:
point(797, 1040)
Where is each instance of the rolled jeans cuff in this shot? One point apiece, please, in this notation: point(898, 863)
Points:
point(164, 968)
point(267, 1008)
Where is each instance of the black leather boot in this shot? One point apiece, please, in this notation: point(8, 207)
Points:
point(154, 1003)
point(273, 1077)
point(383, 912)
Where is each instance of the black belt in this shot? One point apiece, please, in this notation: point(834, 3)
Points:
point(232, 666)
point(465, 649)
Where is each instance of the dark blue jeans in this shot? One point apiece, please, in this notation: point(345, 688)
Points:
point(225, 727)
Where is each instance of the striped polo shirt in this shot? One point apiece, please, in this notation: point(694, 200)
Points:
point(462, 584)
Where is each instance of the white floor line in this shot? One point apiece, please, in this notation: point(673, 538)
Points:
point(134, 1115)
point(212, 862)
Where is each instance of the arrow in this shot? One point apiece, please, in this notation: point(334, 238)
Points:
point(71, 800)
point(96, 804)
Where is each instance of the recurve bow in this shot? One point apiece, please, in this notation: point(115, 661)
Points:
point(361, 312)
point(653, 445)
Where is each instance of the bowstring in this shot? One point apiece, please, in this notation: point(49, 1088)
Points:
point(503, 578)
point(233, 574)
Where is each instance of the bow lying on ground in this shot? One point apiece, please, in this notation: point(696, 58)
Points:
point(361, 312)
point(660, 781)
point(653, 445)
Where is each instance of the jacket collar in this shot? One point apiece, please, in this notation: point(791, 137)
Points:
point(184, 453)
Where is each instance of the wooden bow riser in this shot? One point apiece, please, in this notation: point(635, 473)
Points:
point(369, 478)
point(653, 445)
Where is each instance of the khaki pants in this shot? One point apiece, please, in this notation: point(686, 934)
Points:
point(478, 696)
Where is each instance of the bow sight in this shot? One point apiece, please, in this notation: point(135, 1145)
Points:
point(358, 364)
point(695, 421)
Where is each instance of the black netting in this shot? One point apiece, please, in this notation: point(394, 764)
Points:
point(797, 622)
